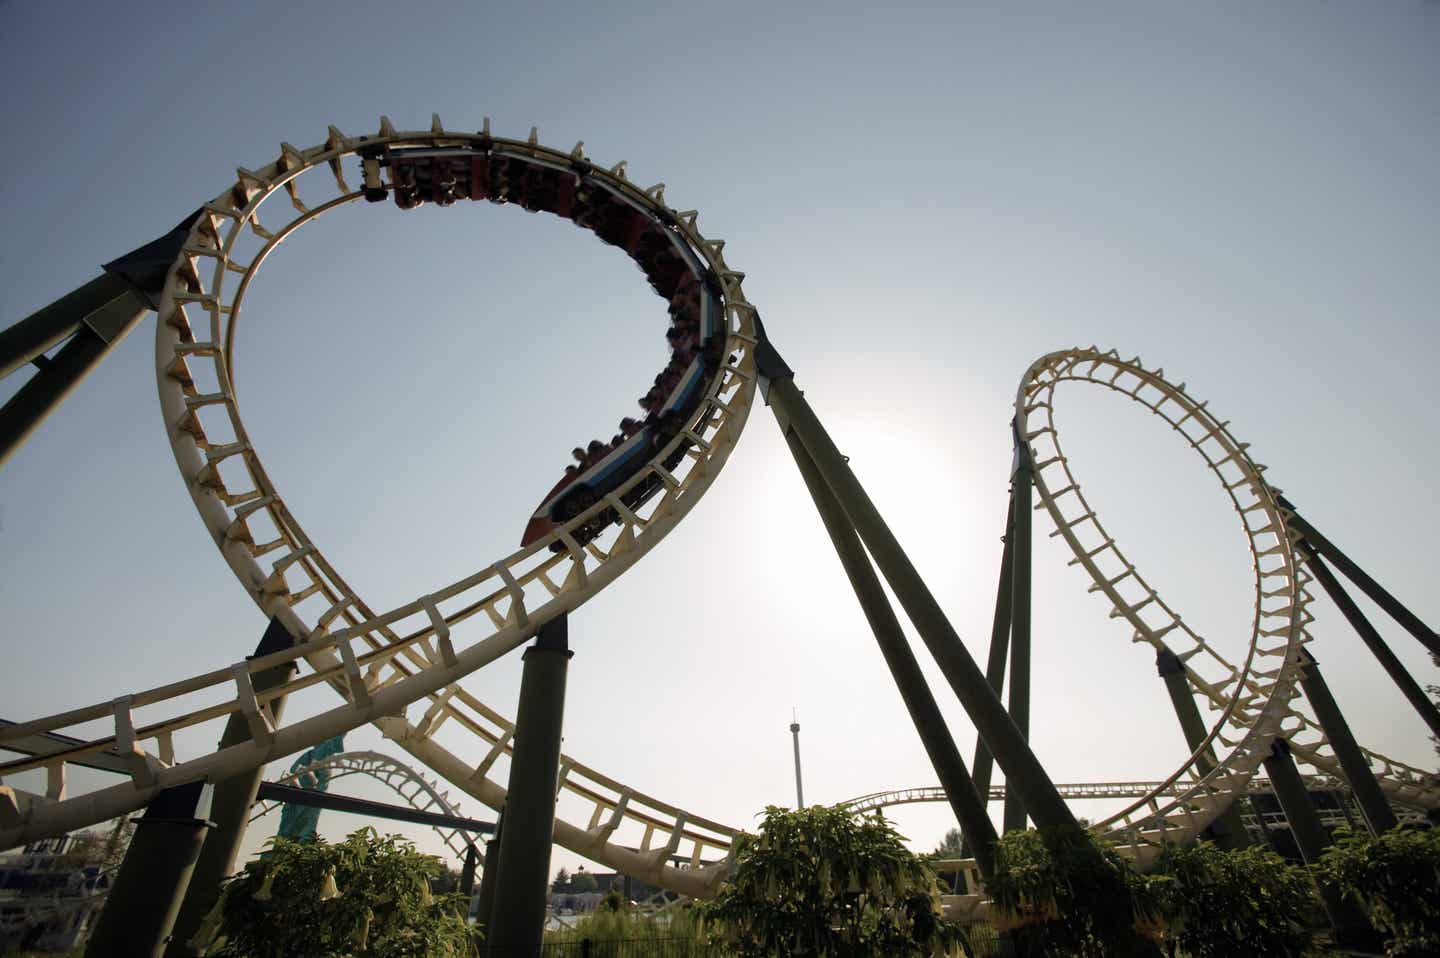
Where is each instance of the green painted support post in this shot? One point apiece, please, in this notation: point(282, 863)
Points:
point(965, 802)
point(30, 338)
point(43, 393)
point(1023, 771)
point(1391, 663)
point(519, 914)
point(95, 317)
point(1318, 543)
point(467, 871)
point(1374, 806)
point(231, 805)
point(1021, 507)
point(144, 898)
point(1312, 839)
point(489, 877)
point(1227, 831)
point(995, 666)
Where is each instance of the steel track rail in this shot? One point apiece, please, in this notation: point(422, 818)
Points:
point(382, 662)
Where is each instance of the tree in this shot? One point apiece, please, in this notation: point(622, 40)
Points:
point(950, 846)
point(822, 881)
point(562, 879)
point(1060, 892)
point(1212, 903)
point(1397, 878)
point(583, 882)
point(365, 897)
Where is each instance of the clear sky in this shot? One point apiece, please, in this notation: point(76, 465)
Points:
point(924, 199)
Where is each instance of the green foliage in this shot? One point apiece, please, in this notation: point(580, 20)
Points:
point(366, 897)
point(609, 926)
point(582, 881)
point(950, 846)
point(1062, 893)
point(820, 881)
point(1215, 904)
point(1397, 877)
point(562, 879)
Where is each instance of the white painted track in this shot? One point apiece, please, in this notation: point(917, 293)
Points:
point(382, 664)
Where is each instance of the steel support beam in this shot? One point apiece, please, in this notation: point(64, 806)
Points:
point(145, 896)
point(1311, 838)
point(904, 670)
point(48, 388)
point(1023, 771)
point(995, 666)
point(489, 877)
point(467, 871)
point(1230, 833)
point(230, 806)
point(1409, 620)
point(1021, 507)
point(519, 919)
point(1379, 816)
point(1391, 663)
point(36, 334)
point(294, 795)
point(94, 317)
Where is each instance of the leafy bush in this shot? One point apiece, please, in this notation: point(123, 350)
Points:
point(366, 897)
point(1215, 904)
point(820, 881)
point(1062, 893)
point(606, 926)
point(1397, 877)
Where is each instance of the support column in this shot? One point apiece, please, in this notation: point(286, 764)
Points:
point(485, 904)
point(1021, 506)
point(519, 919)
point(58, 377)
point(95, 316)
point(1311, 837)
point(145, 896)
point(995, 666)
point(1318, 543)
point(231, 804)
point(1379, 816)
point(934, 735)
point(467, 872)
point(1230, 833)
point(28, 340)
point(1023, 771)
point(1378, 647)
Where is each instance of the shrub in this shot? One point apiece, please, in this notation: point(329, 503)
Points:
point(1060, 892)
point(365, 897)
point(821, 881)
point(1397, 877)
point(1215, 904)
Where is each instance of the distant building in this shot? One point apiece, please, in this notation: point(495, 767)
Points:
point(49, 895)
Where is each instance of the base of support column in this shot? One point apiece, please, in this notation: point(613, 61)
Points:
point(145, 896)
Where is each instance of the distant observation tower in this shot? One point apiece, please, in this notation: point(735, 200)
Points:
point(795, 734)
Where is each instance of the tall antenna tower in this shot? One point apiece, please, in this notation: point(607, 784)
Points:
point(795, 734)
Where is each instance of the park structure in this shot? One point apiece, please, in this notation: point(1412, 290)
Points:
point(400, 669)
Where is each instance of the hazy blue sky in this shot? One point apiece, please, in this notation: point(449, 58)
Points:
point(924, 198)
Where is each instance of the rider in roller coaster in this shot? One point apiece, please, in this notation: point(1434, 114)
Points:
point(696, 337)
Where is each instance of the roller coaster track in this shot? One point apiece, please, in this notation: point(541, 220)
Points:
point(1071, 791)
point(418, 791)
point(1257, 699)
point(382, 664)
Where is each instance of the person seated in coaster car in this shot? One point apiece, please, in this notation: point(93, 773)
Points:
point(537, 188)
point(442, 181)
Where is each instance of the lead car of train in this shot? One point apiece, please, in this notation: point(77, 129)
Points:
point(444, 175)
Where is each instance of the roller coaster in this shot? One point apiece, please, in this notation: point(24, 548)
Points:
point(401, 669)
